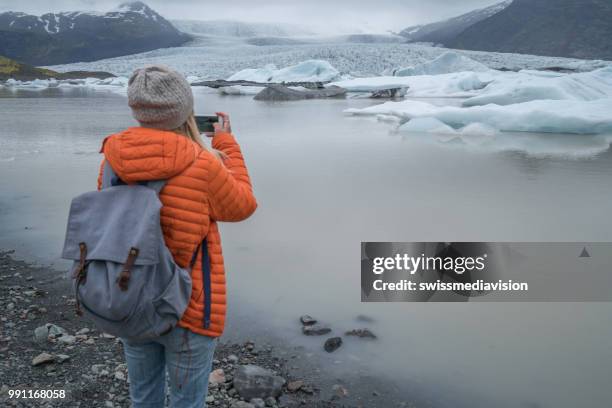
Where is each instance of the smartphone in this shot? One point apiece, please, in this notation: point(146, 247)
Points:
point(205, 123)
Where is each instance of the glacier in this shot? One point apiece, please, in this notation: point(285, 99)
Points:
point(306, 71)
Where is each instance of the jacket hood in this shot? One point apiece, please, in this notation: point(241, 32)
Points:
point(144, 154)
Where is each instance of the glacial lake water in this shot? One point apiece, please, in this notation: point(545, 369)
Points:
point(326, 182)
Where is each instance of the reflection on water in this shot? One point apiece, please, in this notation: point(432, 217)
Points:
point(325, 183)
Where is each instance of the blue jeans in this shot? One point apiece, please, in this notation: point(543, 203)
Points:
point(186, 356)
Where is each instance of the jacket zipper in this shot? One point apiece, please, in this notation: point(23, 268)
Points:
point(206, 276)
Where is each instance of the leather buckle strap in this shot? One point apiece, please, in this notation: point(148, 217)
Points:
point(82, 258)
point(79, 275)
point(124, 276)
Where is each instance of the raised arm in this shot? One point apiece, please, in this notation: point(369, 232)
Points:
point(230, 193)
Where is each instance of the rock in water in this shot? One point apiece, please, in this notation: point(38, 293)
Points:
point(315, 330)
point(251, 381)
point(389, 93)
point(307, 320)
point(282, 93)
point(363, 333)
point(332, 344)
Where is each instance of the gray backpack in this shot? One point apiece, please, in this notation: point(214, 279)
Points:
point(125, 278)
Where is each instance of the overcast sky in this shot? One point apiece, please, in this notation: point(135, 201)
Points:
point(330, 15)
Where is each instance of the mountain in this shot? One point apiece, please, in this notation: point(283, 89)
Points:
point(24, 72)
point(562, 28)
point(444, 31)
point(227, 28)
point(58, 38)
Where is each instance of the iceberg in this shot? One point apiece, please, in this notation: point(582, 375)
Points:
point(239, 90)
point(116, 84)
point(460, 84)
point(446, 63)
point(306, 71)
point(264, 74)
point(544, 116)
point(427, 125)
point(524, 86)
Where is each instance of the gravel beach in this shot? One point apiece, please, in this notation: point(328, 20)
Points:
point(45, 346)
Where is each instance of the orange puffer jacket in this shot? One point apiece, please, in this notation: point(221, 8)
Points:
point(200, 191)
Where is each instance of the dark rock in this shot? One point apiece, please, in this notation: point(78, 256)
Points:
point(363, 333)
point(221, 83)
point(251, 381)
point(307, 320)
point(389, 93)
point(332, 344)
point(315, 330)
point(278, 93)
point(365, 319)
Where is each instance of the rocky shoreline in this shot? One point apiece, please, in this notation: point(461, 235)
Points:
point(44, 346)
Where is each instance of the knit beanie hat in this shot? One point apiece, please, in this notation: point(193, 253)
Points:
point(160, 98)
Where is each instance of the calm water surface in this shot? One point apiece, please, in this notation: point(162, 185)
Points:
point(325, 183)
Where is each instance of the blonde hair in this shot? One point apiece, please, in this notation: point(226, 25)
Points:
point(190, 129)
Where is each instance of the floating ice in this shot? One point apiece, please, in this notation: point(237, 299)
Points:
point(248, 90)
point(546, 116)
point(116, 84)
point(307, 71)
point(446, 63)
point(427, 125)
point(460, 84)
point(509, 88)
point(240, 90)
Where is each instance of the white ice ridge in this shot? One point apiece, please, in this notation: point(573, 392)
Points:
point(544, 116)
point(306, 71)
point(446, 63)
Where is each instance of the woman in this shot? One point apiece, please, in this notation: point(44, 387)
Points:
point(202, 187)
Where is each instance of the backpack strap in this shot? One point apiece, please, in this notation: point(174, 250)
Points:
point(111, 179)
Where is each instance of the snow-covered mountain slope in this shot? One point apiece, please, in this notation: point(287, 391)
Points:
point(227, 28)
point(443, 31)
point(54, 38)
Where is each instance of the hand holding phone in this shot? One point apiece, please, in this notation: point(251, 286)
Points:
point(224, 126)
point(206, 124)
point(212, 124)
